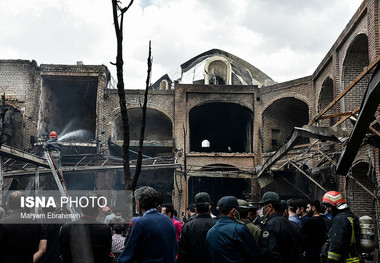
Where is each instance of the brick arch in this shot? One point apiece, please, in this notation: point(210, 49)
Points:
point(279, 119)
point(356, 196)
point(349, 42)
point(159, 127)
point(356, 58)
point(325, 97)
point(116, 111)
point(289, 95)
point(232, 101)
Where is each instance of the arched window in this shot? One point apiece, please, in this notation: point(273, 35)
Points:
point(164, 85)
point(218, 71)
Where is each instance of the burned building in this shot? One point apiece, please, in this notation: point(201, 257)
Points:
point(217, 124)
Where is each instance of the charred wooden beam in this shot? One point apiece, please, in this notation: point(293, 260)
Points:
point(368, 109)
point(346, 90)
point(16, 154)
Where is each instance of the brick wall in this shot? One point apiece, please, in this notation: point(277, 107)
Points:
point(361, 201)
point(19, 83)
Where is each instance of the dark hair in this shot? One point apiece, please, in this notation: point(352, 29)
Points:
point(243, 213)
point(224, 210)
point(302, 203)
point(202, 207)
point(276, 205)
point(148, 197)
point(118, 229)
point(191, 208)
point(89, 209)
point(316, 204)
point(169, 208)
point(292, 205)
point(14, 200)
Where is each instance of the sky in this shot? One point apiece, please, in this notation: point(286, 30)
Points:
point(284, 39)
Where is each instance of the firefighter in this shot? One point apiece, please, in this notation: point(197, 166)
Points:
point(54, 148)
point(343, 237)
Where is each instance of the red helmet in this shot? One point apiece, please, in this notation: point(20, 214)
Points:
point(333, 198)
point(53, 134)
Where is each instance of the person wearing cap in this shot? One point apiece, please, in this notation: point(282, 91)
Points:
point(284, 208)
point(192, 243)
point(229, 240)
point(243, 209)
point(53, 147)
point(344, 234)
point(280, 239)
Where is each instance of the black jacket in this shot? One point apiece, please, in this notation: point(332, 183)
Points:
point(53, 145)
point(280, 240)
point(19, 237)
point(192, 243)
point(343, 242)
point(81, 238)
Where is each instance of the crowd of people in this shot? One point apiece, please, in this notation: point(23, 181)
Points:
point(271, 230)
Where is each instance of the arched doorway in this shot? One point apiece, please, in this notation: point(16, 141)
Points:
point(228, 127)
point(355, 61)
point(280, 118)
point(157, 127)
point(325, 98)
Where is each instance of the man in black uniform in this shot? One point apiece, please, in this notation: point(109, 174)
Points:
point(280, 239)
point(22, 239)
point(86, 240)
point(192, 243)
point(344, 234)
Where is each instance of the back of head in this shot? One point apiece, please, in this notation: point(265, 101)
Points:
point(301, 203)
point(202, 201)
point(316, 204)
point(292, 205)
point(202, 197)
point(148, 197)
point(191, 208)
point(271, 198)
point(90, 208)
point(227, 203)
point(169, 209)
point(284, 206)
point(14, 200)
point(118, 229)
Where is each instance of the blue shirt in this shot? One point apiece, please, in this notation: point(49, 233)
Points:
point(153, 239)
point(295, 219)
point(229, 241)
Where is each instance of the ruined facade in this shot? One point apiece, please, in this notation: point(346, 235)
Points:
point(219, 118)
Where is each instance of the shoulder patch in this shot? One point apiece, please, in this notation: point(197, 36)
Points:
point(265, 234)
